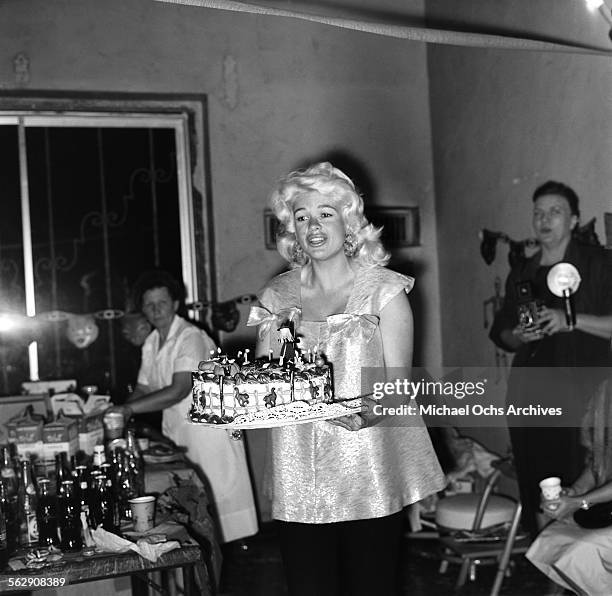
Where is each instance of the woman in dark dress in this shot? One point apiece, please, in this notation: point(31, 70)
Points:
point(551, 361)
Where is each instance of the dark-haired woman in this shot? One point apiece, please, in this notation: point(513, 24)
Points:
point(170, 353)
point(549, 368)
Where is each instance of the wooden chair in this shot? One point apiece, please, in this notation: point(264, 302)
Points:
point(469, 554)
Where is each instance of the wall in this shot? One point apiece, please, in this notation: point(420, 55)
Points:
point(281, 93)
point(502, 123)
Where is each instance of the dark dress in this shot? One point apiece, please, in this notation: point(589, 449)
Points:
point(555, 371)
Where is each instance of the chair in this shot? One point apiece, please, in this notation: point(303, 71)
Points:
point(470, 548)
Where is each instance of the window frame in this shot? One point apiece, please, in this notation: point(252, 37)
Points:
point(186, 115)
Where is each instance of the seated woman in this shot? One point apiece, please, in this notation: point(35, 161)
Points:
point(576, 550)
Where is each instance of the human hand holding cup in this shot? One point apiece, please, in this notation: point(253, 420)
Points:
point(551, 491)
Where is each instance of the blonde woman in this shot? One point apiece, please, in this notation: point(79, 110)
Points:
point(338, 489)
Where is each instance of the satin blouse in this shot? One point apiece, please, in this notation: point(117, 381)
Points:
point(321, 473)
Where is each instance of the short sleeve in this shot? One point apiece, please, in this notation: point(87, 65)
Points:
point(282, 291)
point(146, 362)
point(193, 346)
point(375, 288)
point(392, 286)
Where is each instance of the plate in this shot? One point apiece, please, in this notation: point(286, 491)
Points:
point(297, 412)
point(161, 456)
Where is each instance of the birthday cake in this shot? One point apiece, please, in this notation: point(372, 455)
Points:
point(224, 389)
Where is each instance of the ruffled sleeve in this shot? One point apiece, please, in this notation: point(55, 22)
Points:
point(375, 288)
point(281, 292)
point(279, 301)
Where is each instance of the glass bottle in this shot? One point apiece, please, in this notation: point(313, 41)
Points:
point(135, 462)
point(7, 472)
point(124, 488)
point(9, 509)
point(69, 510)
point(99, 456)
point(93, 500)
point(4, 548)
point(62, 471)
point(83, 495)
point(46, 514)
point(102, 504)
point(27, 502)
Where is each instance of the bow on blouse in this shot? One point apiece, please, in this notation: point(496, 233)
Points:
point(264, 318)
point(354, 327)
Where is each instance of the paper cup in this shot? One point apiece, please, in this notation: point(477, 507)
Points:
point(114, 425)
point(143, 513)
point(551, 488)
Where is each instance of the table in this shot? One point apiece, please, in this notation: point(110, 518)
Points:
point(76, 569)
point(176, 480)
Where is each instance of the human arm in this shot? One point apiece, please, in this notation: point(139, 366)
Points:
point(567, 504)
point(554, 321)
point(163, 383)
point(142, 400)
point(593, 300)
point(153, 401)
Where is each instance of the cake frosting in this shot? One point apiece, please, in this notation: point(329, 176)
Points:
point(224, 389)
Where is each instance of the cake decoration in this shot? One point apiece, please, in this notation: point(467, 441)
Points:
point(224, 388)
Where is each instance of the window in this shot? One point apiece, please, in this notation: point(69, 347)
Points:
point(91, 200)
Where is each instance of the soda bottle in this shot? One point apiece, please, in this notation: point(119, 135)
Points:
point(7, 472)
point(100, 504)
point(109, 474)
point(81, 489)
point(99, 456)
point(4, 549)
point(69, 510)
point(62, 471)
point(9, 509)
point(27, 502)
point(46, 513)
point(124, 485)
point(135, 462)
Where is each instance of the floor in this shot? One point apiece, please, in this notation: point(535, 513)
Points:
point(255, 569)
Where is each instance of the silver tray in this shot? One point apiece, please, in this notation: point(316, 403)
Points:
point(297, 412)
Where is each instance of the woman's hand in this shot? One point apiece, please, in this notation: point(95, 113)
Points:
point(552, 320)
point(560, 508)
point(366, 418)
point(527, 335)
point(350, 422)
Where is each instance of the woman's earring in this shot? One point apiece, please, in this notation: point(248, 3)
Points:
point(350, 244)
point(297, 254)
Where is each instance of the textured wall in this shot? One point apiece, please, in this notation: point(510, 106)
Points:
point(502, 123)
point(281, 93)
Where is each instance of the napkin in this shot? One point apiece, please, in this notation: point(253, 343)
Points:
point(111, 542)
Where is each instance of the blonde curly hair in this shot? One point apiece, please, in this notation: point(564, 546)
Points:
point(338, 187)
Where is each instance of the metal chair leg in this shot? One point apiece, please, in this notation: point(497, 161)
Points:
point(463, 572)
